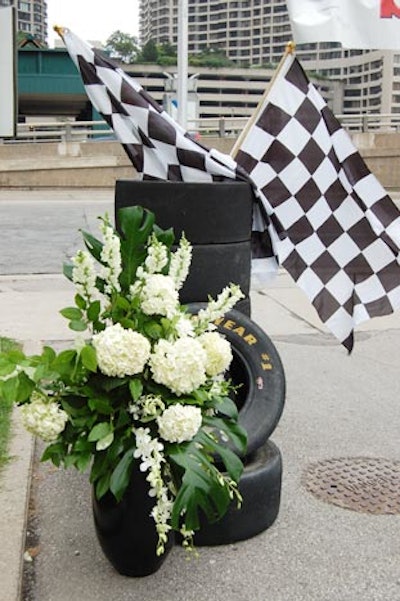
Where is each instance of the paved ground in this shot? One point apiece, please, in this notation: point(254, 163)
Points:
point(336, 406)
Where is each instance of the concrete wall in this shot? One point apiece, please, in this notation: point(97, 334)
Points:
point(100, 164)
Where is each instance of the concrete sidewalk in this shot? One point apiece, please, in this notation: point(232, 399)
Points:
point(337, 406)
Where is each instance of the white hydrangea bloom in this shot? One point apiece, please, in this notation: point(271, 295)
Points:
point(121, 352)
point(157, 256)
point(179, 365)
point(179, 423)
point(159, 295)
point(180, 263)
point(224, 302)
point(111, 257)
point(43, 418)
point(84, 275)
point(184, 326)
point(219, 352)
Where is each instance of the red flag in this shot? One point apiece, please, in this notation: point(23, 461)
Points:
point(389, 9)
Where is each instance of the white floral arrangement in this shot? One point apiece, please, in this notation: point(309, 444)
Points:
point(145, 381)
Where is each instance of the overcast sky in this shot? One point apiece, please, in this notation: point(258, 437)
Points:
point(91, 19)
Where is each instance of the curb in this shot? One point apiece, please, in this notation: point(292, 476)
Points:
point(15, 488)
point(15, 484)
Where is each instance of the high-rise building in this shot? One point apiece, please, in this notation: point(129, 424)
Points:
point(250, 32)
point(31, 16)
point(254, 33)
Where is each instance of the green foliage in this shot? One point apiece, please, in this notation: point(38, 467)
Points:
point(123, 46)
point(7, 345)
point(201, 489)
point(149, 52)
point(212, 58)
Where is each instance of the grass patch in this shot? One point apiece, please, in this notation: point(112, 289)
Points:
point(6, 344)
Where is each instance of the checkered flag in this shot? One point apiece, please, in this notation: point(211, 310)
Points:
point(157, 146)
point(333, 226)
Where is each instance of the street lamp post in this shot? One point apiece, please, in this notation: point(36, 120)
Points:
point(182, 85)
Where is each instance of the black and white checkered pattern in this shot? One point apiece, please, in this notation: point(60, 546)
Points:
point(319, 211)
point(157, 146)
point(337, 232)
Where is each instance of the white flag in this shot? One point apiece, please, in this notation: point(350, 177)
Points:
point(364, 24)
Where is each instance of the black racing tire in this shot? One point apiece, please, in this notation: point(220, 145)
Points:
point(208, 212)
point(244, 306)
point(258, 369)
point(260, 487)
point(213, 267)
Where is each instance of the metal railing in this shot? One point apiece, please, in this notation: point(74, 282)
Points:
point(82, 131)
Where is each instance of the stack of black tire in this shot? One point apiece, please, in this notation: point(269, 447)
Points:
point(216, 219)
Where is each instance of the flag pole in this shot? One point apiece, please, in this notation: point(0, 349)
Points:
point(182, 80)
point(290, 48)
point(60, 30)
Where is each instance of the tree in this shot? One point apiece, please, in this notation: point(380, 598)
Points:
point(210, 57)
point(166, 54)
point(149, 53)
point(123, 46)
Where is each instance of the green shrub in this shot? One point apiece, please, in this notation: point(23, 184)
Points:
point(6, 344)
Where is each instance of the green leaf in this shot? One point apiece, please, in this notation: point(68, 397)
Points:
point(136, 225)
point(167, 237)
point(80, 302)
point(102, 485)
point(67, 270)
point(120, 476)
point(78, 325)
point(82, 461)
point(227, 407)
point(89, 359)
point(93, 311)
point(127, 324)
point(9, 389)
point(105, 442)
point(25, 388)
point(99, 467)
point(123, 303)
point(63, 364)
point(231, 429)
point(55, 453)
point(233, 464)
point(82, 445)
point(200, 488)
point(99, 431)
point(71, 313)
point(135, 388)
point(153, 330)
point(93, 245)
point(101, 405)
point(6, 366)
point(16, 356)
point(109, 384)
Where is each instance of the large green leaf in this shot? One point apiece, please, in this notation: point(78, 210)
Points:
point(201, 489)
point(231, 429)
point(136, 225)
point(120, 477)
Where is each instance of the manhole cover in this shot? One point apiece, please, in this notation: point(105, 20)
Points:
point(362, 484)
